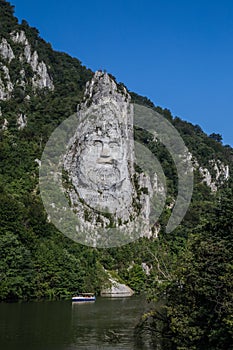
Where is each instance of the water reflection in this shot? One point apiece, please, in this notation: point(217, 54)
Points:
point(105, 324)
point(34, 325)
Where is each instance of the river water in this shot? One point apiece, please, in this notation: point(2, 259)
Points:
point(63, 325)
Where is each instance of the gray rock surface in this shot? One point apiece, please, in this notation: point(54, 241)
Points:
point(100, 161)
point(116, 289)
point(215, 175)
point(41, 78)
point(5, 124)
point(6, 86)
point(21, 121)
point(6, 51)
point(146, 268)
point(19, 38)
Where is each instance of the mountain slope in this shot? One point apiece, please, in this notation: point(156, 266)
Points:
point(39, 88)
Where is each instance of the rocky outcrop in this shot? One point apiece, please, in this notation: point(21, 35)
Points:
point(222, 171)
point(215, 175)
point(146, 268)
point(21, 121)
point(5, 124)
point(6, 51)
point(100, 161)
point(6, 86)
point(22, 79)
point(116, 289)
point(19, 38)
point(41, 78)
point(38, 161)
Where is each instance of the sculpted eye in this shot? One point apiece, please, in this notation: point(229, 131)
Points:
point(97, 143)
point(113, 144)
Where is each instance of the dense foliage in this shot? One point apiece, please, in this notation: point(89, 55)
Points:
point(198, 306)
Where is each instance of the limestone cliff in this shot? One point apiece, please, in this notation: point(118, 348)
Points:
point(116, 288)
point(100, 161)
point(215, 175)
point(17, 51)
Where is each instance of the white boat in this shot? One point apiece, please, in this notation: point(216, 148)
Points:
point(84, 297)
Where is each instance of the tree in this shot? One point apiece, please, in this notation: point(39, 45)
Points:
point(216, 137)
point(199, 304)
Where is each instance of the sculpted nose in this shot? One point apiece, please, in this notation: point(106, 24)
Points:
point(105, 151)
point(105, 156)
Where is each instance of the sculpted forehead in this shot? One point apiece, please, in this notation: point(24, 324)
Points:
point(105, 116)
point(102, 129)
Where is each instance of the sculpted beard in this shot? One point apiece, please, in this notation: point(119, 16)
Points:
point(101, 160)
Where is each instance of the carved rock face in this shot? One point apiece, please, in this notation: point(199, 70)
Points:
point(102, 168)
point(88, 181)
point(100, 157)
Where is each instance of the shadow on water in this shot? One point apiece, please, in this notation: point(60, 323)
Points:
point(106, 324)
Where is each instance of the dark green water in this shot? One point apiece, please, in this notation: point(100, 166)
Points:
point(105, 324)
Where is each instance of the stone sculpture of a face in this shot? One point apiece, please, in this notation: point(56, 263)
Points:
point(102, 200)
point(102, 161)
point(100, 157)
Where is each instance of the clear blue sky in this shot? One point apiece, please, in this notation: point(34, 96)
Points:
point(178, 53)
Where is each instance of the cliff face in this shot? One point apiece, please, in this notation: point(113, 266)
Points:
point(100, 159)
point(17, 51)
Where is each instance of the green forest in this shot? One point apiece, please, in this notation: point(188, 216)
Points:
point(192, 267)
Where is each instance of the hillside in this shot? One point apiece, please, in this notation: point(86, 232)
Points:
point(39, 88)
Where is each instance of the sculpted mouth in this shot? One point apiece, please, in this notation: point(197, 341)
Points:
point(105, 161)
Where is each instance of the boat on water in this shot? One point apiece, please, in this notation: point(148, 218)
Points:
point(84, 297)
